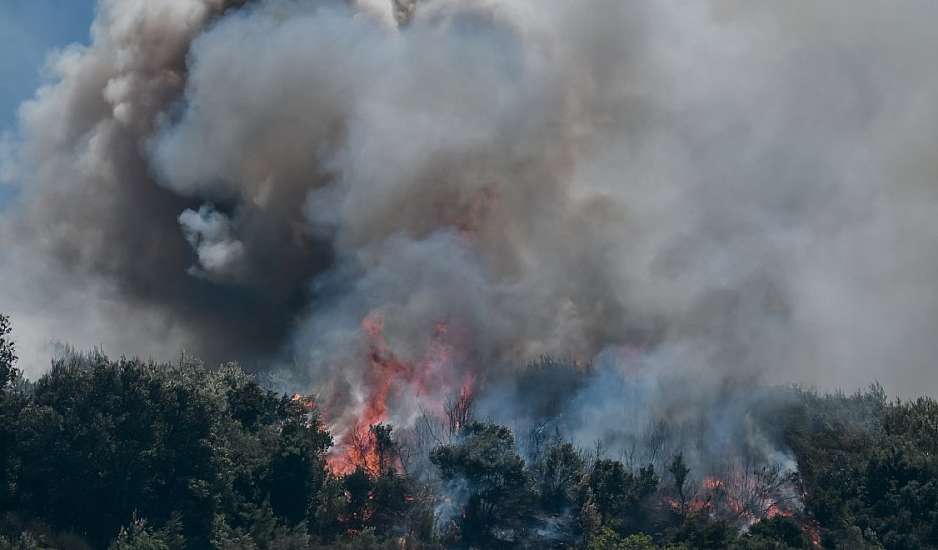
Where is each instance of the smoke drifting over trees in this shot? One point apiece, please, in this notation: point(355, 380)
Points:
point(127, 456)
point(391, 203)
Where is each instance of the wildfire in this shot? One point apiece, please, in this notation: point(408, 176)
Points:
point(712, 483)
point(430, 377)
point(813, 531)
point(746, 496)
point(386, 376)
point(777, 511)
point(307, 401)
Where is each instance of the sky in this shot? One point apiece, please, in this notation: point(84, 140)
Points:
point(29, 31)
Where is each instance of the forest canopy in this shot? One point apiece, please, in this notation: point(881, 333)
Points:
point(127, 454)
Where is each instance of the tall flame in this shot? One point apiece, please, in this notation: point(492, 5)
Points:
point(388, 374)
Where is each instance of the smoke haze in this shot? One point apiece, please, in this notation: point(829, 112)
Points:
point(691, 197)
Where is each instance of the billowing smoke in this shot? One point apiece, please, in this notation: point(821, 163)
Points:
point(396, 200)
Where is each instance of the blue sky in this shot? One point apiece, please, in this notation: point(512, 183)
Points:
point(29, 31)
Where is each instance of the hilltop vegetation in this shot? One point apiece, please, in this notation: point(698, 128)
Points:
point(126, 454)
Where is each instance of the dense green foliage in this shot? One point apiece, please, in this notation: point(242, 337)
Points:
point(130, 455)
point(869, 468)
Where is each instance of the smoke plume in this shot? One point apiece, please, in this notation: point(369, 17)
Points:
point(405, 198)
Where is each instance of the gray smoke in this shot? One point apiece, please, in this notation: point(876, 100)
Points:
point(718, 195)
point(97, 251)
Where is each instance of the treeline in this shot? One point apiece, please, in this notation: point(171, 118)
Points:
point(126, 454)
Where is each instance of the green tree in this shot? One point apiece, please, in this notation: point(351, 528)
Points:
point(206, 446)
point(11, 406)
point(778, 533)
point(297, 470)
point(8, 371)
point(140, 536)
point(608, 539)
point(701, 533)
point(869, 468)
point(558, 476)
point(619, 495)
point(485, 462)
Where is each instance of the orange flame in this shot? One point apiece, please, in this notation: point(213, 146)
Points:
point(740, 496)
point(386, 374)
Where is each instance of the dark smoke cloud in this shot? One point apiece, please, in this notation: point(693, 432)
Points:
point(735, 192)
point(98, 254)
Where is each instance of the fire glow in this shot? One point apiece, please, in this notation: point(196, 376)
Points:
point(387, 378)
point(745, 497)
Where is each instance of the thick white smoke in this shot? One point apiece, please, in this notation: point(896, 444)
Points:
point(735, 192)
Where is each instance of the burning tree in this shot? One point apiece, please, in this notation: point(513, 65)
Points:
point(458, 411)
point(679, 471)
point(746, 493)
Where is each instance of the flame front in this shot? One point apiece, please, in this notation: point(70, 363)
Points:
point(387, 378)
point(744, 496)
